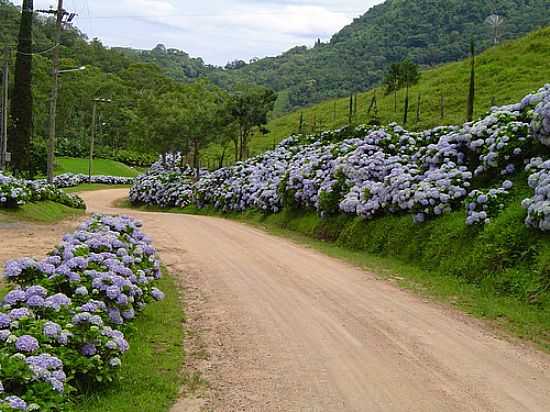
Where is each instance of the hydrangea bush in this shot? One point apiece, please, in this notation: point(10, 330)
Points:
point(373, 171)
point(72, 180)
point(17, 192)
point(62, 326)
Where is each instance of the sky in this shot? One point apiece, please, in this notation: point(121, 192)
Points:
point(216, 30)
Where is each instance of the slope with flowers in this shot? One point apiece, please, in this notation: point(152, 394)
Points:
point(471, 200)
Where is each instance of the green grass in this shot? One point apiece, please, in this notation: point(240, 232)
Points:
point(500, 273)
point(87, 187)
point(151, 374)
point(40, 212)
point(506, 73)
point(103, 167)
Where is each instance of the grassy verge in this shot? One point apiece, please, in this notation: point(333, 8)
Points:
point(151, 374)
point(103, 167)
point(474, 270)
point(87, 187)
point(41, 212)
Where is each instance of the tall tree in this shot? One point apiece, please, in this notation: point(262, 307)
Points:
point(250, 106)
point(391, 81)
point(22, 102)
point(472, 89)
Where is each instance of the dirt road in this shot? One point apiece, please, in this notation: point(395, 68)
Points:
point(18, 238)
point(289, 329)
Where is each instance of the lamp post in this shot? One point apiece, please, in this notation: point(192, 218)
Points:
point(92, 139)
point(53, 112)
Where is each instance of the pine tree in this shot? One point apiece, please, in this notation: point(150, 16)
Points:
point(472, 90)
point(22, 102)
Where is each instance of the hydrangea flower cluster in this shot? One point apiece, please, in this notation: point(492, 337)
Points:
point(66, 318)
point(17, 192)
point(72, 180)
point(482, 206)
point(538, 207)
point(13, 192)
point(372, 171)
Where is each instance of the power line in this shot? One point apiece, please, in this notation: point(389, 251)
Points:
point(273, 13)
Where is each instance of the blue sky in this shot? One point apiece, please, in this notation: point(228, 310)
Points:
point(217, 30)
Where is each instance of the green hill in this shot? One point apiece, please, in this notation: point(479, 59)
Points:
point(103, 167)
point(429, 32)
point(505, 73)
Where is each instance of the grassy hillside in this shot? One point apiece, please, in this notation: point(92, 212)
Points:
point(506, 73)
point(41, 212)
point(103, 167)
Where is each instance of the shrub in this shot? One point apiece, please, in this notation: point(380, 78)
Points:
point(62, 326)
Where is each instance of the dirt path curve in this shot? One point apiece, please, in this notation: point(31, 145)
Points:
point(289, 329)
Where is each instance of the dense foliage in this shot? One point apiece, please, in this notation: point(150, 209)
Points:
point(17, 192)
point(62, 325)
point(375, 171)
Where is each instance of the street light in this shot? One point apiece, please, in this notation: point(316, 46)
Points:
point(79, 69)
point(92, 140)
point(53, 110)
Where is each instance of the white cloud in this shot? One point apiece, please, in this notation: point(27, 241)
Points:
point(217, 30)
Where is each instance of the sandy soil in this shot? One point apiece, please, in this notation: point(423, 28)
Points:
point(289, 329)
point(18, 239)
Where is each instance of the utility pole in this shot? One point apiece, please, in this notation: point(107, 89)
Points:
point(60, 14)
point(92, 139)
point(4, 113)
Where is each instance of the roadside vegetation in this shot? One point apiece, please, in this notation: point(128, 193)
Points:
point(69, 341)
point(153, 367)
point(466, 203)
point(505, 73)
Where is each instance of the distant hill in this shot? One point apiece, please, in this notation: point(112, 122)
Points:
point(430, 32)
point(505, 74)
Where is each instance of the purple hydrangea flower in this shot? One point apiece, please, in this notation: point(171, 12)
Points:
point(14, 297)
point(27, 344)
point(36, 291)
point(13, 269)
point(16, 403)
point(57, 301)
point(157, 294)
point(51, 329)
point(17, 314)
point(5, 321)
point(4, 335)
point(88, 350)
point(81, 291)
point(36, 301)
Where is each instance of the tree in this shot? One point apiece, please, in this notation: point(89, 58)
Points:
point(400, 75)
point(495, 22)
point(22, 102)
point(235, 65)
point(249, 107)
point(391, 81)
point(472, 90)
